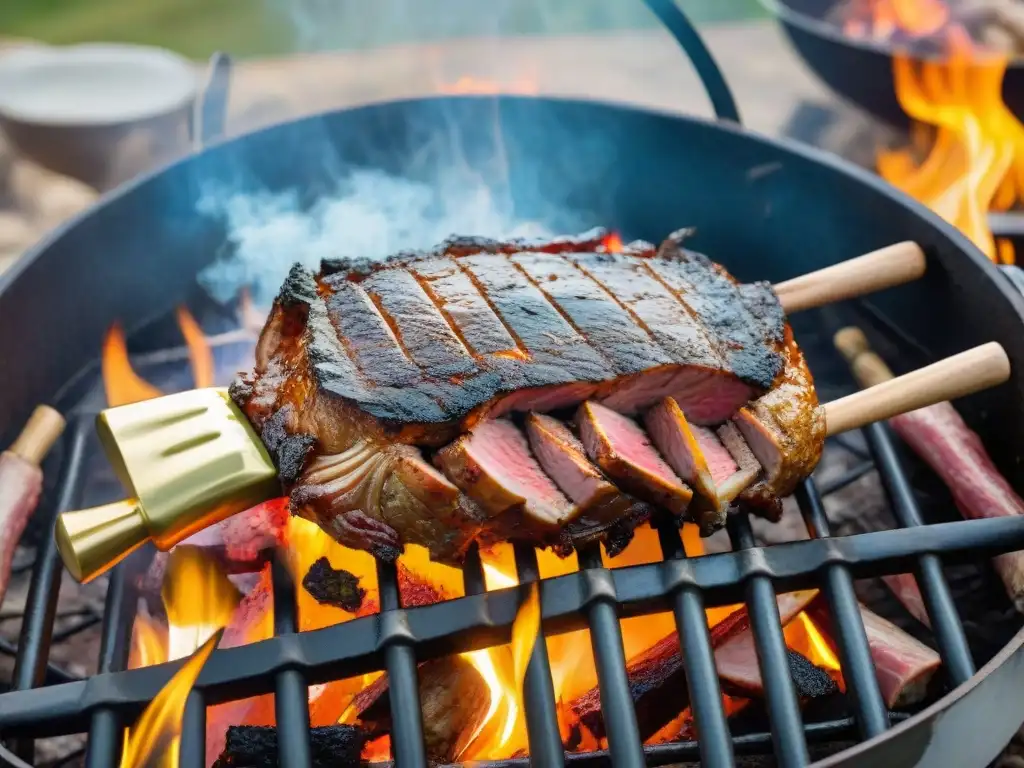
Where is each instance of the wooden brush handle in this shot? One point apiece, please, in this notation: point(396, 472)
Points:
point(44, 426)
point(884, 268)
point(956, 376)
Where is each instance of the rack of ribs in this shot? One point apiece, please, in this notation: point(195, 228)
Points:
point(553, 392)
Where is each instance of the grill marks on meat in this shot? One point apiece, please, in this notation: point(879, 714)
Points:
point(361, 364)
point(623, 450)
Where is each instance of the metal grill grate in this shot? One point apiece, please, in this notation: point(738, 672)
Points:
point(595, 597)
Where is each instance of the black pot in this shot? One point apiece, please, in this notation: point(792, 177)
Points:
point(860, 71)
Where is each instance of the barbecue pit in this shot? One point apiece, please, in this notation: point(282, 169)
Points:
point(397, 639)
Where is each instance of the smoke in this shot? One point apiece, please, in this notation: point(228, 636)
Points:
point(371, 216)
point(458, 180)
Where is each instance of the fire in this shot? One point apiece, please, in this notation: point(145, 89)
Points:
point(804, 637)
point(200, 600)
point(967, 153)
point(154, 739)
point(124, 386)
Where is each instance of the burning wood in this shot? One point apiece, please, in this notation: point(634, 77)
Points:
point(939, 435)
point(454, 698)
point(903, 666)
point(904, 587)
point(657, 676)
point(333, 586)
point(335, 746)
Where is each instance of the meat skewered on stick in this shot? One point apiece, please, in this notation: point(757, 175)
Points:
point(21, 480)
point(953, 450)
point(180, 484)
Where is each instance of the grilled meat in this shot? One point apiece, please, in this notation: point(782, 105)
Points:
point(363, 367)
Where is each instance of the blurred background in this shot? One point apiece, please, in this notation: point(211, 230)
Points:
point(197, 28)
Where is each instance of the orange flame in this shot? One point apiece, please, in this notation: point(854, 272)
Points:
point(155, 738)
point(199, 600)
point(123, 386)
point(967, 153)
point(804, 637)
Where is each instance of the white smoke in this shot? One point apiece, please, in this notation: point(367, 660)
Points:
point(371, 216)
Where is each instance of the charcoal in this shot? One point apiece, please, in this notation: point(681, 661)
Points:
point(811, 682)
point(255, 746)
point(333, 586)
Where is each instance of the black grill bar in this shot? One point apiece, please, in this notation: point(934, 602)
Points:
point(624, 744)
point(193, 731)
point(705, 693)
point(772, 656)
point(758, 743)
point(44, 589)
point(291, 693)
point(394, 636)
point(538, 693)
point(106, 732)
point(938, 601)
point(478, 621)
point(854, 651)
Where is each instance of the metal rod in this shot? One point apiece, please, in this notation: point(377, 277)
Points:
point(702, 683)
point(686, 751)
point(44, 588)
point(407, 745)
point(106, 731)
point(851, 638)
point(938, 601)
point(192, 751)
point(291, 694)
point(772, 657)
point(538, 692)
point(850, 476)
point(479, 621)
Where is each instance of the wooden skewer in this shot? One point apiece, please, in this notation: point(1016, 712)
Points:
point(884, 268)
point(44, 426)
point(868, 368)
point(963, 374)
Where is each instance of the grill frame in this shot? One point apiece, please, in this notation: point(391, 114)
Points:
point(398, 637)
point(289, 662)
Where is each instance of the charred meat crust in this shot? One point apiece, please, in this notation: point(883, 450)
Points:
point(289, 450)
point(568, 327)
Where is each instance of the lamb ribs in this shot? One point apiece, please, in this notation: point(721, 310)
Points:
point(470, 352)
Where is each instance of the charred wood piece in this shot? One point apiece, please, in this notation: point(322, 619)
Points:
point(255, 746)
point(333, 586)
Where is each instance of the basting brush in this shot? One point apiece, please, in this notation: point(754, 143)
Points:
point(187, 461)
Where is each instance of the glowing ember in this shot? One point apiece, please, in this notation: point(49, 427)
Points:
point(613, 243)
point(967, 153)
point(155, 738)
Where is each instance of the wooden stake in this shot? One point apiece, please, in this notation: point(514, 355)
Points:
point(875, 271)
point(963, 374)
point(40, 433)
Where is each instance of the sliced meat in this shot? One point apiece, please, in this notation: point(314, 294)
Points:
point(747, 482)
point(367, 362)
point(493, 465)
point(623, 450)
point(671, 434)
point(600, 504)
point(785, 428)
